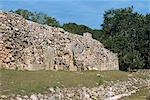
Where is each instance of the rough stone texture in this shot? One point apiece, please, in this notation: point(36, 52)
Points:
point(144, 72)
point(25, 45)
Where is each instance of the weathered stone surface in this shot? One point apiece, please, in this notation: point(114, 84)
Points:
point(34, 97)
point(25, 45)
point(144, 72)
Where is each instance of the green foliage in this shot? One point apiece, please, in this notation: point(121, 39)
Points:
point(38, 17)
point(75, 28)
point(52, 21)
point(25, 13)
point(128, 35)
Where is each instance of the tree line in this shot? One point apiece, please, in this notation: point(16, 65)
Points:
point(123, 31)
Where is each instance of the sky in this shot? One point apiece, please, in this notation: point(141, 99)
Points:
point(86, 12)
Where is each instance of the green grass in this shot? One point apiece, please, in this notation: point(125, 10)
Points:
point(26, 82)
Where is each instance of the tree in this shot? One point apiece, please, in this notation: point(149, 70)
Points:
point(38, 17)
point(52, 21)
point(75, 28)
point(25, 13)
point(127, 33)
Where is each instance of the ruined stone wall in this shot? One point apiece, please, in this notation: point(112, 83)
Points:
point(26, 45)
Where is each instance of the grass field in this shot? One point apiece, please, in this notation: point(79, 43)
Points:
point(26, 82)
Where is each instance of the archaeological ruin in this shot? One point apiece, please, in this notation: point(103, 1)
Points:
point(26, 45)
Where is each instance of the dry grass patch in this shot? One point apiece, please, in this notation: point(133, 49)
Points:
point(26, 82)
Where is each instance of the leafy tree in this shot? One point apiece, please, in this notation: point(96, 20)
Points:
point(25, 13)
point(75, 28)
point(128, 35)
point(146, 46)
point(52, 21)
point(38, 17)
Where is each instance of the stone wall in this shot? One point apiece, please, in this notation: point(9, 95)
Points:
point(25, 45)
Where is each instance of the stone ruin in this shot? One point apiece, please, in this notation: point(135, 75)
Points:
point(26, 45)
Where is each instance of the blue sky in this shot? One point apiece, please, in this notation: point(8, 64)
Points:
point(87, 12)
